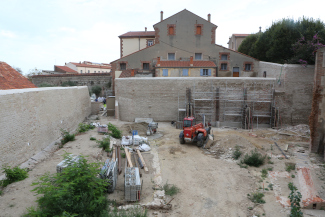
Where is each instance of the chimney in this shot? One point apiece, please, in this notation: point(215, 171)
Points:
point(161, 15)
point(209, 17)
point(145, 29)
point(191, 61)
point(132, 72)
point(158, 61)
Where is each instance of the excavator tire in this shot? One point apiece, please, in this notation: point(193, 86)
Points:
point(200, 140)
point(181, 138)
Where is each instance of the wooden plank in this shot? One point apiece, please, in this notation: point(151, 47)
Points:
point(119, 159)
point(143, 162)
point(128, 156)
point(136, 162)
point(114, 154)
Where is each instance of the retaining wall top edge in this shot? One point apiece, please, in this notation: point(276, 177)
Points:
point(286, 65)
point(25, 90)
point(198, 78)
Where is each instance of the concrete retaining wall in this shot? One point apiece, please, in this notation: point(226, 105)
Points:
point(31, 119)
point(293, 90)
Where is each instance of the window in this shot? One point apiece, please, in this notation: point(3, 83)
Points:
point(198, 56)
point(122, 66)
point(223, 66)
point(248, 67)
point(264, 74)
point(171, 56)
point(88, 71)
point(224, 57)
point(198, 30)
point(185, 72)
point(171, 30)
point(80, 71)
point(205, 72)
point(145, 66)
point(165, 72)
point(94, 71)
point(150, 43)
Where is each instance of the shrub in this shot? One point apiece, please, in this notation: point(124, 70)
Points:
point(13, 175)
point(270, 186)
point(68, 83)
point(1, 192)
point(123, 155)
point(293, 176)
point(67, 137)
point(75, 191)
point(104, 144)
point(82, 127)
point(254, 159)
point(45, 85)
point(290, 167)
point(237, 153)
point(115, 133)
point(264, 173)
point(96, 90)
point(295, 198)
point(257, 197)
point(92, 138)
point(170, 190)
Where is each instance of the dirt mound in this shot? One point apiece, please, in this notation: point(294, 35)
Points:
point(140, 127)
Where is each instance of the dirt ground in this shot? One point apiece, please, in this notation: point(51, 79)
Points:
point(211, 182)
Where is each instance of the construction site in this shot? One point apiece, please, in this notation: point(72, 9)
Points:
point(175, 146)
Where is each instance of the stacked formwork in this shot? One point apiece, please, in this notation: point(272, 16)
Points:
point(109, 174)
point(132, 187)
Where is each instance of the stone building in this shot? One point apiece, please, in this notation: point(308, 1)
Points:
point(235, 40)
point(89, 67)
point(178, 39)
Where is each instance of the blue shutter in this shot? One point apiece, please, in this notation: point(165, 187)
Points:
point(185, 72)
point(165, 72)
point(201, 72)
point(209, 72)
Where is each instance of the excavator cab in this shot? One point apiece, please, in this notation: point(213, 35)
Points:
point(188, 122)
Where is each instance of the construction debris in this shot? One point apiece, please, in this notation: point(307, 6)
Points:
point(65, 163)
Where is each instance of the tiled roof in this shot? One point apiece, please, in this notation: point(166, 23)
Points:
point(181, 64)
point(11, 79)
point(74, 75)
point(125, 74)
point(236, 51)
point(241, 35)
point(66, 69)
point(140, 33)
point(90, 66)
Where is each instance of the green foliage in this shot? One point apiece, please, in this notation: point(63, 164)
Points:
point(295, 199)
point(75, 191)
point(104, 144)
point(276, 44)
point(96, 90)
point(290, 167)
point(67, 137)
point(82, 127)
point(13, 175)
point(1, 192)
point(257, 197)
point(68, 83)
point(123, 155)
point(270, 186)
point(264, 173)
point(115, 132)
point(92, 138)
point(254, 159)
point(293, 176)
point(170, 190)
point(45, 85)
point(237, 153)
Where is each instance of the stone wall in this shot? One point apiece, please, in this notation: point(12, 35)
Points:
point(293, 90)
point(92, 79)
point(159, 98)
point(31, 119)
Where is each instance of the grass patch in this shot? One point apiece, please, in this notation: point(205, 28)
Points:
point(256, 197)
point(92, 138)
point(266, 189)
point(270, 186)
point(264, 173)
point(104, 144)
point(82, 127)
point(254, 159)
point(290, 167)
point(13, 175)
point(115, 132)
point(67, 137)
point(1, 192)
point(170, 190)
point(237, 153)
point(123, 155)
point(270, 162)
point(293, 176)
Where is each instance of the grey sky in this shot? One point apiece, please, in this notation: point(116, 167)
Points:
point(42, 33)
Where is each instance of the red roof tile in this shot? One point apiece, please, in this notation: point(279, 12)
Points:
point(170, 64)
point(66, 69)
point(125, 74)
point(140, 33)
point(91, 66)
point(11, 79)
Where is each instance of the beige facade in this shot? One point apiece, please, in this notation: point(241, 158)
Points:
point(189, 72)
point(235, 40)
point(89, 67)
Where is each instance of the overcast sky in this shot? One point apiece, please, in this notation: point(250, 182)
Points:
point(44, 33)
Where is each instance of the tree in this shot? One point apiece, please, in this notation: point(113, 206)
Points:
point(276, 44)
point(18, 69)
point(247, 46)
point(96, 90)
point(34, 71)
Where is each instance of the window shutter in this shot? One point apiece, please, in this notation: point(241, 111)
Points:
point(209, 72)
point(185, 72)
point(165, 72)
point(201, 72)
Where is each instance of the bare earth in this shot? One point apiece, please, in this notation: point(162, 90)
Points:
point(211, 183)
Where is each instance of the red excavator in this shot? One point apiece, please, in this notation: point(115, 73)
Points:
point(193, 132)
